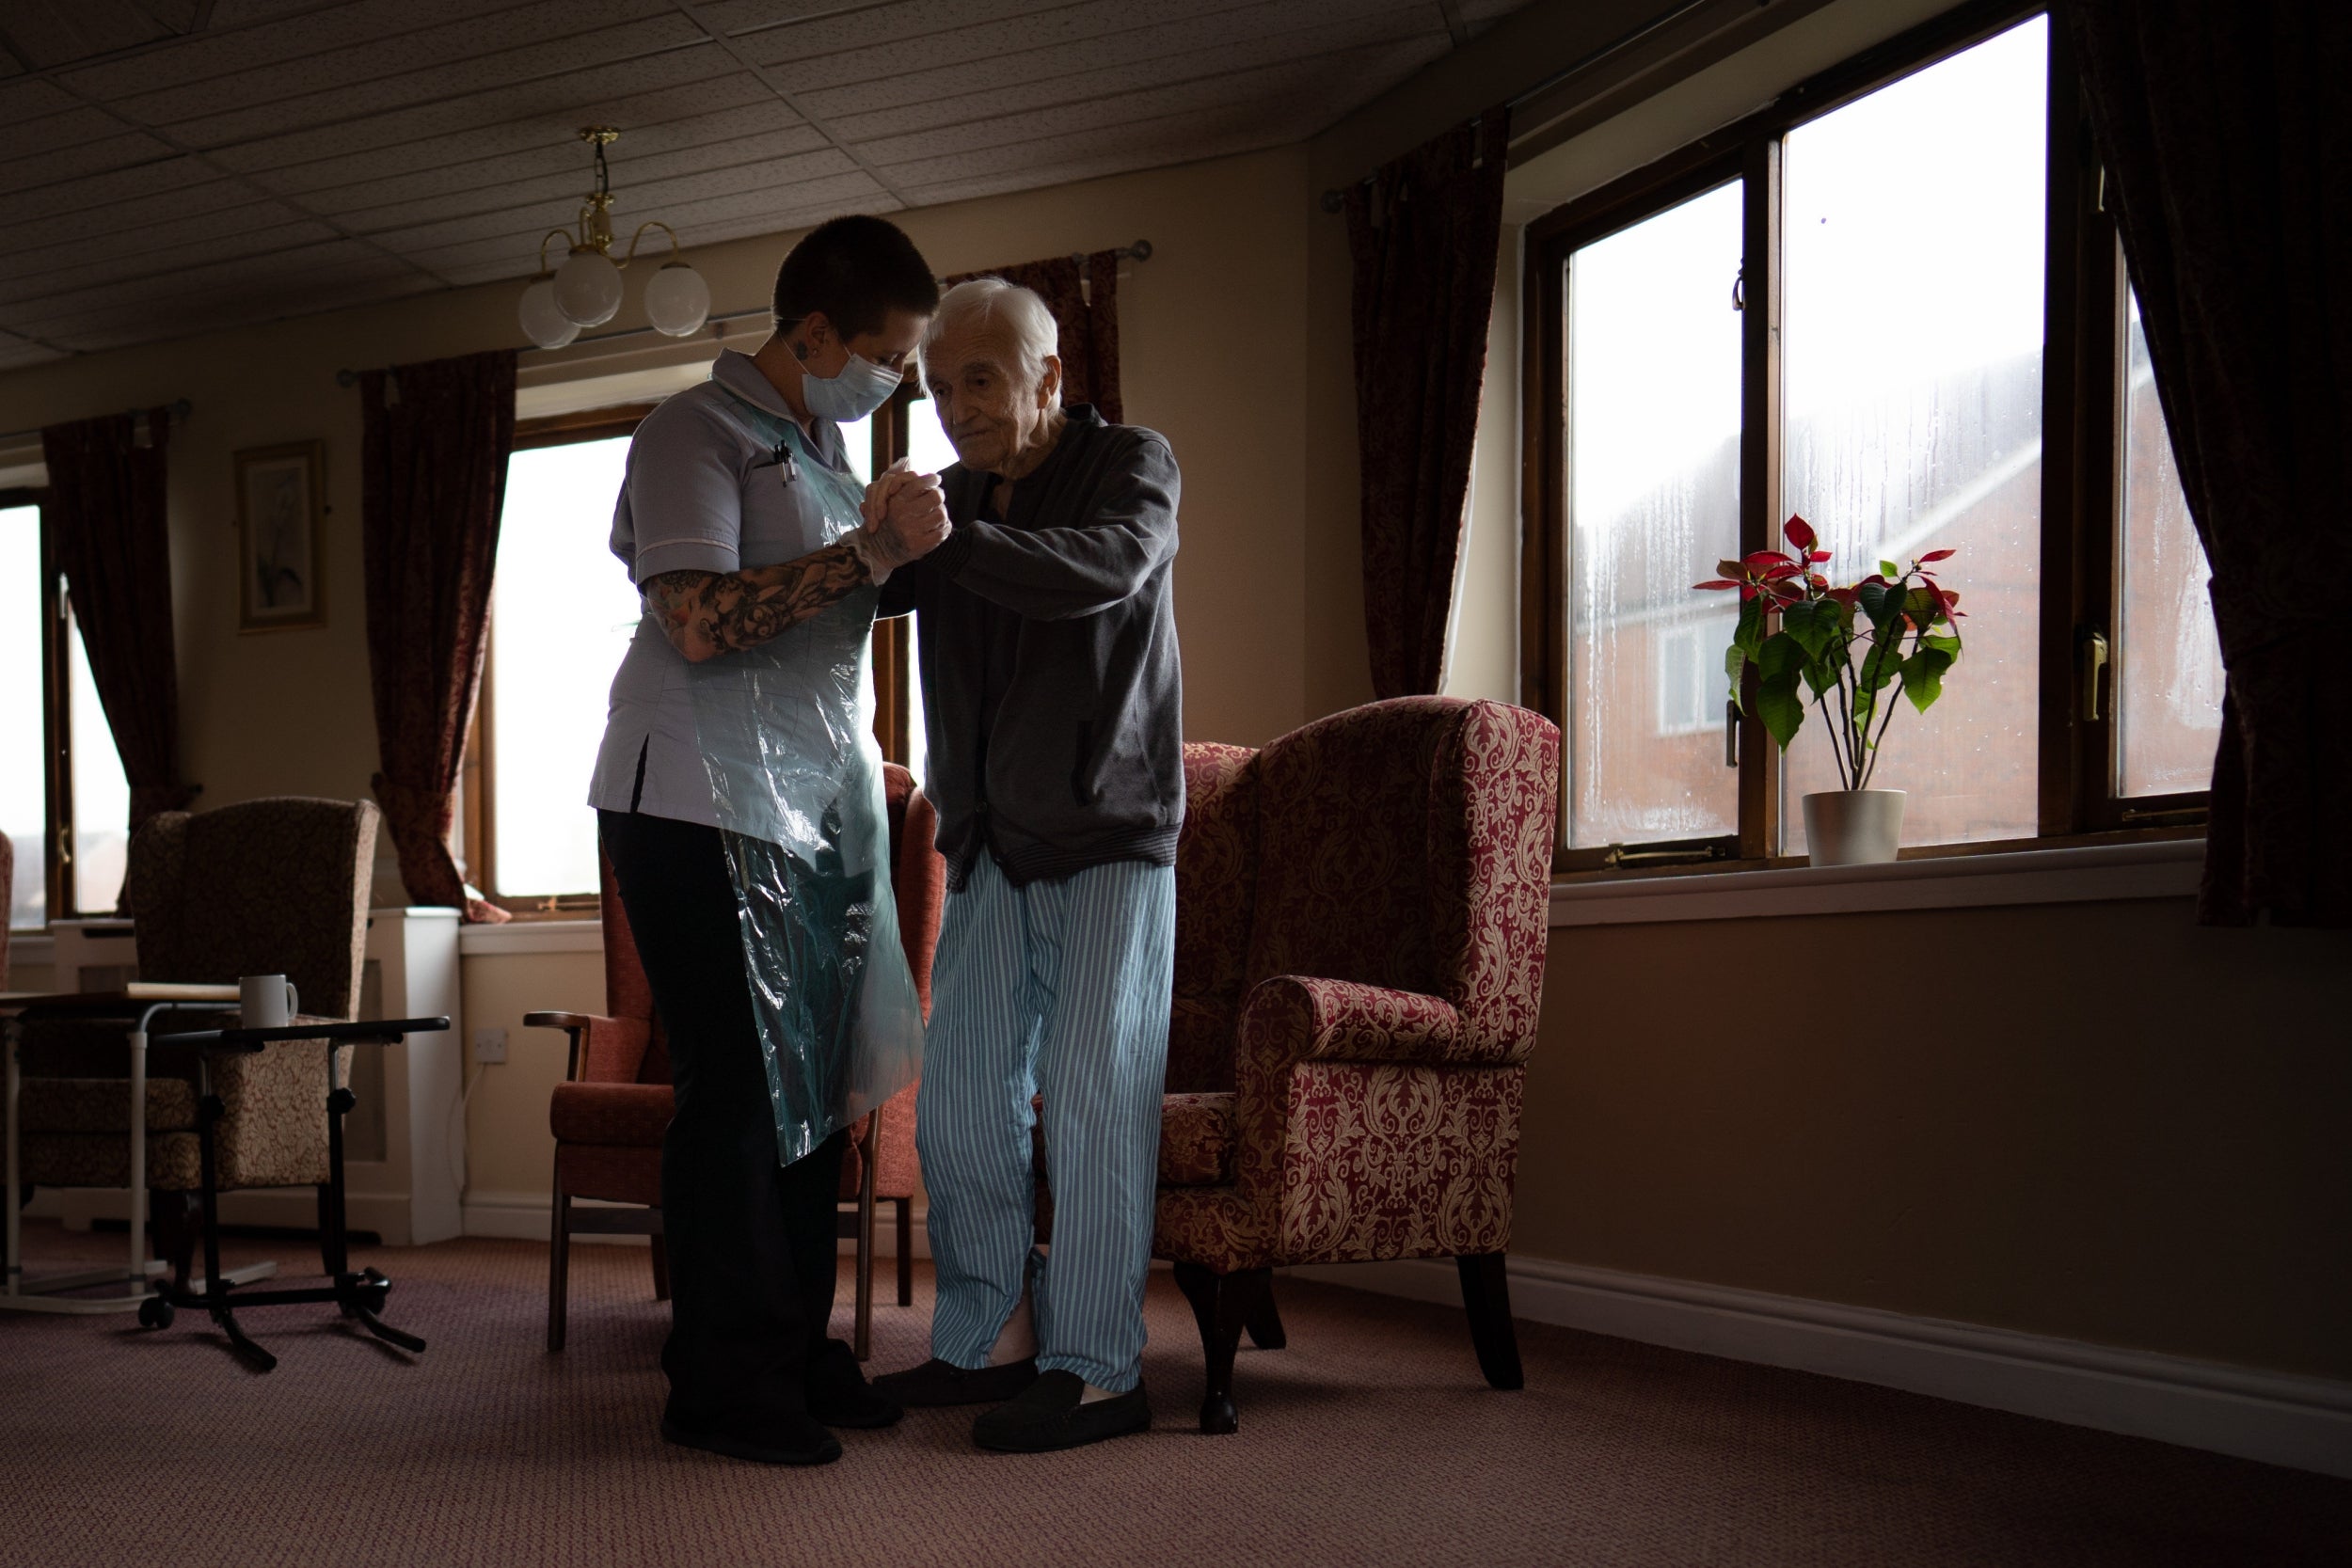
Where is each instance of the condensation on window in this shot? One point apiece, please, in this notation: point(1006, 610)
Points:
point(1912, 398)
point(1653, 490)
point(2167, 656)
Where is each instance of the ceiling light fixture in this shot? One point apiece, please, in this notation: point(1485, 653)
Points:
point(586, 290)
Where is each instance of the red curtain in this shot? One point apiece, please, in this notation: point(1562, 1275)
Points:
point(433, 478)
point(1424, 234)
point(107, 513)
point(1084, 296)
point(2227, 133)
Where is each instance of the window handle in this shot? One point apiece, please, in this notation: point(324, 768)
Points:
point(2091, 651)
point(1731, 735)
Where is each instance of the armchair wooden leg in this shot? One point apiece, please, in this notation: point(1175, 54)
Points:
point(906, 1249)
point(660, 1252)
point(558, 1265)
point(1486, 1297)
point(1221, 1305)
point(1265, 1323)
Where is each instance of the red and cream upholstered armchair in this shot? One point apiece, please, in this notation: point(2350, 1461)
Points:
point(1361, 926)
point(614, 1104)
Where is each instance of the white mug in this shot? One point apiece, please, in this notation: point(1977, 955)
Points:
point(265, 1001)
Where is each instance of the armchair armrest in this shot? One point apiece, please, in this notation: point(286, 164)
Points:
point(1301, 1019)
point(603, 1050)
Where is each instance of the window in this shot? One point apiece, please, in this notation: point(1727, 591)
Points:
point(562, 615)
point(1888, 303)
point(68, 793)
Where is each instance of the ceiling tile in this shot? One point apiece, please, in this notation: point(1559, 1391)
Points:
point(563, 103)
point(66, 164)
point(211, 117)
point(31, 98)
point(658, 184)
point(173, 217)
point(136, 266)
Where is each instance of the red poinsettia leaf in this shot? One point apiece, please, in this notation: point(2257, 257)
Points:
point(1817, 555)
point(1799, 532)
point(1939, 555)
point(1786, 569)
point(1767, 558)
point(1747, 590)
point(1731, 569)
point(1846, 597)
point(1719, 582)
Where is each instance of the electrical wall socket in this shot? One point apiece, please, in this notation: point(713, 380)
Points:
point(489, 1046)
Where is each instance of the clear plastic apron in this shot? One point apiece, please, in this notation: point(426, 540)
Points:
point(787, 733)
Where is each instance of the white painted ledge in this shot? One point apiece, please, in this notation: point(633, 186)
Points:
point(32, 949)
point(2167, 868)
point(2279, 1419)
point(518, 937)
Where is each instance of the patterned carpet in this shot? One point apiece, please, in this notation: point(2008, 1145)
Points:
point(1370, 1440)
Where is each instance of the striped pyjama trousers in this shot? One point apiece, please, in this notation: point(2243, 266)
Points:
point(1059, 989)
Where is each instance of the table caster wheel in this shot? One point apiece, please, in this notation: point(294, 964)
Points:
point(156, 1312)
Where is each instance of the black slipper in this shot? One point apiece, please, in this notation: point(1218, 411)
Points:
point(1052, 1414)
point(937, 1383)
point(838, 1394)
point(785, 1439)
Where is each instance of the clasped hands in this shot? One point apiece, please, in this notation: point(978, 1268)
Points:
point(906, 519)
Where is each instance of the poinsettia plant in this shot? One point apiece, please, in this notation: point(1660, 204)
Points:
point(1846, 646)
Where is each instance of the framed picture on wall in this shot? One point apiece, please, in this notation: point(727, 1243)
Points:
point(280, 492)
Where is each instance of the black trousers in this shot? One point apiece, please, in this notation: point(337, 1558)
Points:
point(753, 1254)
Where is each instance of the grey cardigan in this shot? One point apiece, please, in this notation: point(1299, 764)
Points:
point(1053, 692)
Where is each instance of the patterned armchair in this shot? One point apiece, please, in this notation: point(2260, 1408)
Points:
point(264, 887)
point(1360, 929)
point(610, 1111)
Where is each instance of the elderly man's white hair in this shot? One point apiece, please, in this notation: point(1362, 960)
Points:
point(980, 301)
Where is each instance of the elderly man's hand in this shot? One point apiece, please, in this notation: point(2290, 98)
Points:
point(906, 519)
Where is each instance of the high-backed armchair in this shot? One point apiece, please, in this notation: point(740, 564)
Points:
point(615, 1103)
point(261, 887)
point(1361, 929)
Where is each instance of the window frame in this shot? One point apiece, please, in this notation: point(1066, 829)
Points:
point(2083, 388)
point(479, 770)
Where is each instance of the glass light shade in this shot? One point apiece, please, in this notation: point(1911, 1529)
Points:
point(543, 323)
point(678, 301)
point(588, 288)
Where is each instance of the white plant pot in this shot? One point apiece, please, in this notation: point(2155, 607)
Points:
point(1854, 826)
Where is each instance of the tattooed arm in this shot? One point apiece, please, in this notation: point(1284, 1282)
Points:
point(709, 613)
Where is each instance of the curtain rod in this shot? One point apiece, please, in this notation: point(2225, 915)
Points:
point(1336, 197)
point(180, 408)
point(717, 325)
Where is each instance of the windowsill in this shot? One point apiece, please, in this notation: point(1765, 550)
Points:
point(2167, 868)
point(518, 937)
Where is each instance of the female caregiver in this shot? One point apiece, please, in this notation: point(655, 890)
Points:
point(732, 490)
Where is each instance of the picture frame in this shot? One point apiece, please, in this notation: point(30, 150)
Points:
point(282, 502)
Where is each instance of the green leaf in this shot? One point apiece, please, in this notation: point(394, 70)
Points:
point(1886, 569)
point(1883, 603)
point(1923, 677)
point(1749, 631)
point(1940, 640)
point(1822, 675)
point(1780, 708)
point(1780, 664)
point(1814, 624)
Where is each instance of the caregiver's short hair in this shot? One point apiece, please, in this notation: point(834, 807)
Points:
point(983, 300)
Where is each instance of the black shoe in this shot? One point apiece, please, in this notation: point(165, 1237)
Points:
point(838, 1394)
point(788, 1438)
point(936, 1382)
point(1050, 1416)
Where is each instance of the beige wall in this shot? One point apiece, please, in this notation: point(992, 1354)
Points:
point(2092, 1121)
point(509, 1151)
point(1212, 356)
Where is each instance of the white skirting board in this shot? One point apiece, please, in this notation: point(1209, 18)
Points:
point(2304, 1422)
point(523, 1217)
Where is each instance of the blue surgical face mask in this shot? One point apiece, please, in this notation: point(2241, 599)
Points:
point(851, 392)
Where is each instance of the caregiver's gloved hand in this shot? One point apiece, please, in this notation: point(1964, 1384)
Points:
point(906, 519)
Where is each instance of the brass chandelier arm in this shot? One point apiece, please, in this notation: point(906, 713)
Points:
point(650, 223)
point(564, 234)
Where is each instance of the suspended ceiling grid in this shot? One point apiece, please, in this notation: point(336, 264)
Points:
point(179, 166)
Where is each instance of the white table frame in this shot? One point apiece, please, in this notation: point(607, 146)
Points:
point(19, 1293)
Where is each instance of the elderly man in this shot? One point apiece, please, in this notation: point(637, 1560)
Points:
point(1054, 697)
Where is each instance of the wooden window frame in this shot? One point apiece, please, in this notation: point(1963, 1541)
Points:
point(478, 775)
point(2082, 392)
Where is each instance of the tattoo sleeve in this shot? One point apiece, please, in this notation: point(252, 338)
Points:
point(709, 613)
